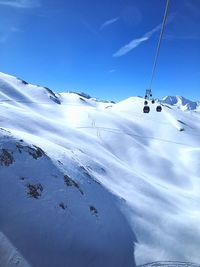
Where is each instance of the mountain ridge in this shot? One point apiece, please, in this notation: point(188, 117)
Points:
point(180, 102)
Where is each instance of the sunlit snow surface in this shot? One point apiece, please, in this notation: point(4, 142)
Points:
point(135, 179)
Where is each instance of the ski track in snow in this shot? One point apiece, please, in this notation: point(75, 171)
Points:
point(132, 190)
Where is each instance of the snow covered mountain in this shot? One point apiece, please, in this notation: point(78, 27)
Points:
point(182, 103)
point(91, 183)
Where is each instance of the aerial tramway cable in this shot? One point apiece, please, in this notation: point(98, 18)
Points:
point(148, 95)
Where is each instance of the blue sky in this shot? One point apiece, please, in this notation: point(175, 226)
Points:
point(105, 48)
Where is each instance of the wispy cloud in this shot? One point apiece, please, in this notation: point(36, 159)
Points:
point(5, 35)
point(21, 3)
point(109, 22)
point(112, 70)
point(136, 42)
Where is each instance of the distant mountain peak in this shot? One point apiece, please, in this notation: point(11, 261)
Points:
point(182, 103)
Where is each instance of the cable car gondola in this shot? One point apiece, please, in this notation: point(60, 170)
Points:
point(159, 108)
point(146, 109)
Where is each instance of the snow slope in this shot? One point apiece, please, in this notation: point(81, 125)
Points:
point(90, 183)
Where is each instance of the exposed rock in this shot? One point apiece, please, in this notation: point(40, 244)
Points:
point(53, 96)
point(19, 147)
point(81, 94)
point(82, 99)
point(93, 210)
point(88, 175)
point(70, 182)
point(85, 171)
point(2, 129)
point(24, 82)
point(34, 190)
point(36, 152)
point(6, 157)
point(62, 205)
